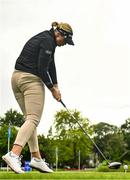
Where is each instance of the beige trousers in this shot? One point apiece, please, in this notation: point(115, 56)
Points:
point(29, 92)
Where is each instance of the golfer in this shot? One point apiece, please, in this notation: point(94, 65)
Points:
point(34, 69)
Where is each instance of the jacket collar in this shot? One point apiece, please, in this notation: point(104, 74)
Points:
point(51, 32)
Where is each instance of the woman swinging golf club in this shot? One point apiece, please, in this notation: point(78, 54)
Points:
point(34, 68)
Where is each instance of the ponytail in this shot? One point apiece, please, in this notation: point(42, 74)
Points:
point(55, 25)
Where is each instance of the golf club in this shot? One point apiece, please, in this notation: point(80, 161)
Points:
point(112, 165)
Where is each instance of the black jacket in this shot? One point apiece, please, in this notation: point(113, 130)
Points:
point(37, 57)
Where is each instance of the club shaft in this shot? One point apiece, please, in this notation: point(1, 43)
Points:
point(84, 131)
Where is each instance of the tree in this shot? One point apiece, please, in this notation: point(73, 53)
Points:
point(4, 139)
point(102, 129)
point(70, 138)
point(12, 117)
point(125, 129)
point(110, 140)
point(115, 146)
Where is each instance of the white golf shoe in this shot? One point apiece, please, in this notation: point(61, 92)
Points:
point(40, 165)
point(13, 161)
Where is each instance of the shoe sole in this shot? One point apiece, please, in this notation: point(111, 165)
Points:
point(8, 163)
point(39, 169)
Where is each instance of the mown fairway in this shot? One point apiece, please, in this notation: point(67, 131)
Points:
point(67, 175)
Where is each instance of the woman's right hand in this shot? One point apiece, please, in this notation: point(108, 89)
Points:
point(56, 93)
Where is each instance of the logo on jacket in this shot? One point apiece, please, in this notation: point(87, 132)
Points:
point(48, 52)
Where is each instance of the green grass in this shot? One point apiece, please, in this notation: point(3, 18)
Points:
point(67, 175)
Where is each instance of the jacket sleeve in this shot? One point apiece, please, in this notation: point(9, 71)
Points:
point(52, 72)
point(44, 60)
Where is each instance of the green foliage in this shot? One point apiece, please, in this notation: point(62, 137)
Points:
point(102, 129)
point(110, 140)
point(67, 137)
point(4, 139)
point(125, 128)
point(70, 138)
point(115, 146)
point(64, 122)
point(12, 117)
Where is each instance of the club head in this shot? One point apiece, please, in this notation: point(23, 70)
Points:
point(114, 165)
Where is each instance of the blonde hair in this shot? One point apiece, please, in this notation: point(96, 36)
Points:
point(64, 26)
point(54, 25)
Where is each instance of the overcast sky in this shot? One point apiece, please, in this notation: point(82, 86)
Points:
point(94, 75)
